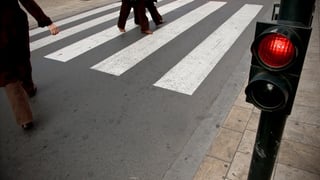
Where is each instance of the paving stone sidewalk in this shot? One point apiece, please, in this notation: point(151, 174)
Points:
point(299, 156)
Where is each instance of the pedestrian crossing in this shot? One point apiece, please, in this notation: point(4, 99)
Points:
point(77, 17)
point(186, 76)
point(183, 78)
point(84, 45)
point(71, 31)
point(128, 57)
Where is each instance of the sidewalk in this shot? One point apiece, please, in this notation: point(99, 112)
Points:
point(299, 156)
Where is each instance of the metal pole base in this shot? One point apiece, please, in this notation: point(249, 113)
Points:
point(267, 143)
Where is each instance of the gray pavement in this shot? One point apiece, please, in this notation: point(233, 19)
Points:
point(230, 153)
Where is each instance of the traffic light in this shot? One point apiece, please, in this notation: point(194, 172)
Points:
point(278, 53)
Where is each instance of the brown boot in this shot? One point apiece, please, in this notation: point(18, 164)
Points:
point(19, 104)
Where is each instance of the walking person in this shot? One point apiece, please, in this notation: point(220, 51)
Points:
point(139, 11)
point(15, 65)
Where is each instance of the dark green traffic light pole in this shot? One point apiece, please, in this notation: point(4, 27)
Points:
point(300, 11)
point(271, 124)
point(269, 133)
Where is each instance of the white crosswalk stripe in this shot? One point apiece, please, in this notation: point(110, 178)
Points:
point(183, 78)
point(68, 32)
point(69, 52)
point(135, 53)
point(76, 17)
point(187, 75)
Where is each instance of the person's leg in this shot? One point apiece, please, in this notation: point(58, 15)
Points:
point(124, 13)
point(136, 18)
point(142, 18)
point(23, 59)
point(19, 104)
point(27, 81)
point(156, 17)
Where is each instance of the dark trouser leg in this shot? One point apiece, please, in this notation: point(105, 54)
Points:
point(124, 13)
point(24, 67)
point(156, 17)
point(27, 81)
point(135, 13)
point(19, 102)
point(140, 11)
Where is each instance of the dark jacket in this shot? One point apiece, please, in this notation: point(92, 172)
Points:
point(14, 38)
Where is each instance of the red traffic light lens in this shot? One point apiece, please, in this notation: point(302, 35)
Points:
point(276, 50)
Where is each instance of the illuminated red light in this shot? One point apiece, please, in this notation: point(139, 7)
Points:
point(276, 50)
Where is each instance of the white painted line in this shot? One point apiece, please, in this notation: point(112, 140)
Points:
point(69, 52)
point(75, 29)
point(189, 73)
point(133, 54)
point(76, 17)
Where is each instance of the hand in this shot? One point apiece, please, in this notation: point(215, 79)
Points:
point(53, 29)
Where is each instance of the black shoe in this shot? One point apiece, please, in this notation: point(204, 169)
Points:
point(31, 91)
point(27, 126)
point(160, 22)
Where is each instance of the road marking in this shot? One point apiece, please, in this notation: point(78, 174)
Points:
point(189, 73)
point(76, 17)
point(75, 29)
point(69, 52)
point(136, 52)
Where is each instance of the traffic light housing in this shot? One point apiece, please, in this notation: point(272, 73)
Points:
point(278, 54)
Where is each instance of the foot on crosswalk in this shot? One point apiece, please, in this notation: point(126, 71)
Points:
point(122, 30)
point(147, 32)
